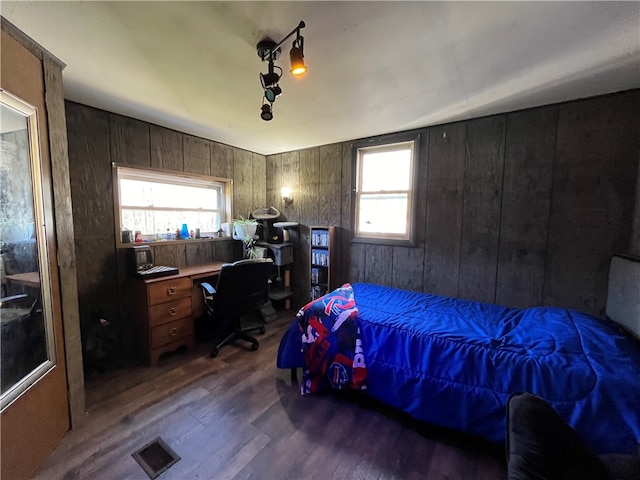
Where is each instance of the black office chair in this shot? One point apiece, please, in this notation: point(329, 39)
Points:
point(242, 288)
point(23, 340)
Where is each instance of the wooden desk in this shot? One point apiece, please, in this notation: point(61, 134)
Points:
point(163, 309)
point(30, 279)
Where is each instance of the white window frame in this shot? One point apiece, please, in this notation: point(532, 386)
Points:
point(380, 145)
point(167, 176)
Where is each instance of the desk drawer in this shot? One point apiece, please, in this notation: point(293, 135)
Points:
point(169, 332)
point(167, 290)
point(170, 311)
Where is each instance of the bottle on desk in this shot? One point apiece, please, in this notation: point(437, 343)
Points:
point(184, 233)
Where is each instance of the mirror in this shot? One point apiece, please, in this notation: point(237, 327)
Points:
point(27, 350)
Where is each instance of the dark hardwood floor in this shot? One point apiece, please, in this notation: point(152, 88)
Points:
point(238, 417)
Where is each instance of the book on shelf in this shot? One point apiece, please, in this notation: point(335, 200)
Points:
point(318, 291)
point(320, 257)
point(318, 275)
point(320, 238)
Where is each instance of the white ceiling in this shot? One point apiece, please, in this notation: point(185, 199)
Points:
point(374, 67)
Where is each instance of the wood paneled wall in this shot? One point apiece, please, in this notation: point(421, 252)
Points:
point(35, 421)
point(520, 209)
point(315, 177)
point(96, 139)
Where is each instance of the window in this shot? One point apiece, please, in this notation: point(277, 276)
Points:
point(157, 202)
point(384, 191)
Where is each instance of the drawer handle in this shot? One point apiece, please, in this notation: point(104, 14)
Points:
point(173, 332)
point(171, 291)
point(172, 311)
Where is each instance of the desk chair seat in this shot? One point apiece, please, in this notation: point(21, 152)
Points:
point(242, 288)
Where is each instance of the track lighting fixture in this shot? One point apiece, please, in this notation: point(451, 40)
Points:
point(296, 56)
point(266, 114)
point(272, 93)
point(269, 79)
point(269, 51)
point(269, 83)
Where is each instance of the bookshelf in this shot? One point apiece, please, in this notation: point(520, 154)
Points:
point(323, 261)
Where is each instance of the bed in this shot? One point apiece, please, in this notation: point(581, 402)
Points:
point(454, 363)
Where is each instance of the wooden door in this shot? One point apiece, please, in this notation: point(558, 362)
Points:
point(35, 406)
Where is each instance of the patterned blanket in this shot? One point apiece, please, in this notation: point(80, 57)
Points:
point(331, 343)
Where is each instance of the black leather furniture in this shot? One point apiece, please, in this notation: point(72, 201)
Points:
point(542, 446)
point(242, 288)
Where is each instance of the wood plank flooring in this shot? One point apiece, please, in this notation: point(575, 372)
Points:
point(238, 417)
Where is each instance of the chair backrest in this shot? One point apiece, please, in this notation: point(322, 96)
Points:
point(243, 286)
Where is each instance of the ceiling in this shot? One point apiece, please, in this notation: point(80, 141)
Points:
point(374, 67)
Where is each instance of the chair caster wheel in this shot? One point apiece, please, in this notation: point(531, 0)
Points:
point(214, 353)
point(262, 330)
point(254, 346)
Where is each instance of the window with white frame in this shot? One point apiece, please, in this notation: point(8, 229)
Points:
point(384, 191)
point(159, 202)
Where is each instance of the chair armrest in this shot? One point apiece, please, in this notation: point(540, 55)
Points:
point(208, 288)
point(12, 298)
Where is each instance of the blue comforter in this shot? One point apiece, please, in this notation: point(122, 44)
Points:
point(454, 363)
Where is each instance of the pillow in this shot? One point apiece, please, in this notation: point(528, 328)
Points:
point(623, 294)
point(331, 343)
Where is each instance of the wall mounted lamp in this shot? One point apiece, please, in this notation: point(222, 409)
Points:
point(269, 51)
point(287, 196)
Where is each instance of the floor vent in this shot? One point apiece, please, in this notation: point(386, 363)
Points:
point(156, 457)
